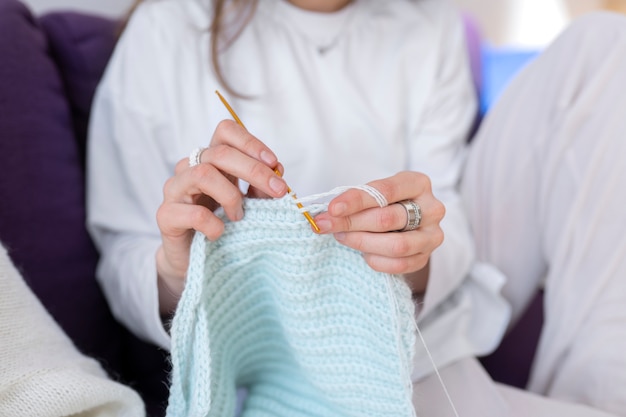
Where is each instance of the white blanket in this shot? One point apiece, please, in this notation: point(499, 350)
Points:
point(41, 372)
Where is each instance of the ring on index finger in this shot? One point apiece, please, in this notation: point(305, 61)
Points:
point(194, 157)
point(413, 215)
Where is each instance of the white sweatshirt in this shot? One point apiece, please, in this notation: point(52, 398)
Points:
point(342, 99)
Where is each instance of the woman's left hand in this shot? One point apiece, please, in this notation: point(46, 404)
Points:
point(357, 221)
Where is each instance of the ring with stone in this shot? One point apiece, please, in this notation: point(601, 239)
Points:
point(413, 215)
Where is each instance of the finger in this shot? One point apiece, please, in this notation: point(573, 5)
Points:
point(176, 219)
point(386, 219)
point(205, 179)
point(181, 165)
point(394, 245)
point(396, 266)
point(231, 134)
point(239, 165)
point(398, 187)
point(254, 192)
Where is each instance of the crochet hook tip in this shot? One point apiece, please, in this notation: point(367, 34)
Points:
point(306, 213)
point(240, 123)
point(230, 109)
point(314, 225)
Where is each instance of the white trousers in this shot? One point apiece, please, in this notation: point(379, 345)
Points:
point(546, 195)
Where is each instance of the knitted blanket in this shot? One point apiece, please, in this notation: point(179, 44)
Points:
point(42, 374)
point(298, 319)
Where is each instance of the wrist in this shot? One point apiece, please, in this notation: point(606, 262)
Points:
point(170, 285)
point(418, 280)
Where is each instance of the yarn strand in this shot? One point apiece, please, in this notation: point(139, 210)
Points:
point(432, 361)
point(309, 202)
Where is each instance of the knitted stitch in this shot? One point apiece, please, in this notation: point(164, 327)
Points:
point(298, 319)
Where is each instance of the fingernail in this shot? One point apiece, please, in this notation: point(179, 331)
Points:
point(324, 225)
point(268, 158)
point(277, 185)
point(341, 236)
point(239, 214)
point(339, 209)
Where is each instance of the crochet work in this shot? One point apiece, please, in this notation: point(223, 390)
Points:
point(298, 319)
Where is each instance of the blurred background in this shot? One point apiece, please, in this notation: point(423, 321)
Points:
point(512, 32)
point(530, 23)
point(518, 23)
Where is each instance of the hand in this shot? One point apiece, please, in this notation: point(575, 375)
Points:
point(193, 193)
point(358, 222)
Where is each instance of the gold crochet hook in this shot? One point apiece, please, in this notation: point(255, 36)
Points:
point(240, 123)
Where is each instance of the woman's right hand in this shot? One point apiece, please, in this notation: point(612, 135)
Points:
point(191, 196)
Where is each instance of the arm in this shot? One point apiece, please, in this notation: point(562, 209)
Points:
point(438, 150)
point(130, 155)
point(144, 202)
point(125, 177)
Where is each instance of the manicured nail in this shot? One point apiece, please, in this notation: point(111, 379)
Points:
point(341, 236)
point(277, 185)
point(268, 158)
point(239, 214)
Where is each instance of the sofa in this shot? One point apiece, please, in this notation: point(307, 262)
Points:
point(49, 68)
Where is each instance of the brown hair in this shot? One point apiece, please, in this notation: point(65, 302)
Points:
point(238, 12)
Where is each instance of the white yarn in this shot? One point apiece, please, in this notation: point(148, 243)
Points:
point(432, 361)
point(310, 206)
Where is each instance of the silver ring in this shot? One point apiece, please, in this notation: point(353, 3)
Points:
point(413, 215)
point(194, 157)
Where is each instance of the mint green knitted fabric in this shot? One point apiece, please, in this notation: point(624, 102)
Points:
point(298, 319)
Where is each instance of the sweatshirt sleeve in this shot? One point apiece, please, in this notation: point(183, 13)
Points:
point(130, 152)
point(439, 148)
point(462, 312)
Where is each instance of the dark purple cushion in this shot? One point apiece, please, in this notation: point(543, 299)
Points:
point(81, 45)
point(511, 362)
point(41, 189)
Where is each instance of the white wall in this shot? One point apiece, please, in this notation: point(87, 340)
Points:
point(527, 23)
point(107, 7)
point(519, 23)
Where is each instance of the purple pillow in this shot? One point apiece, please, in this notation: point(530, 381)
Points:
point(41, 189)
point(81, 44)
